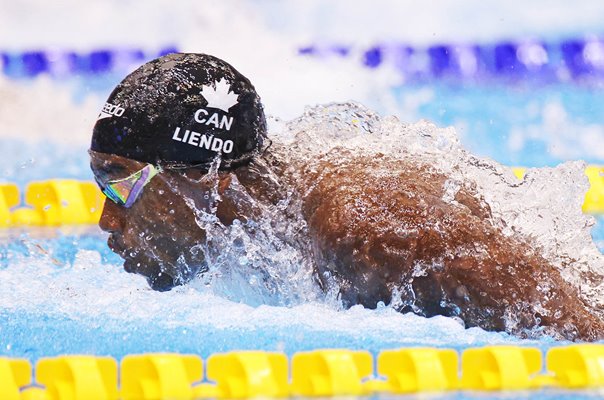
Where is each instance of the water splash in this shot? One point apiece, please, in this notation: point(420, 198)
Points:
point(544, 208)
point(268, 259)
point(260, 260)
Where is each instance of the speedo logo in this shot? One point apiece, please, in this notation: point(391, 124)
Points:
point(110, 110)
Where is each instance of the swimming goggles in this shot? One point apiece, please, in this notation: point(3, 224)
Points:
point(125, 191)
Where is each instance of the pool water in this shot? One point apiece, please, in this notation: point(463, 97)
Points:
point(57, 282)
point(65, 292)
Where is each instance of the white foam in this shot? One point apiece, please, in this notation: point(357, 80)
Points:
point(94, 293)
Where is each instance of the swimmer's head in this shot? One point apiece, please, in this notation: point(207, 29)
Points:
point(160, 130)
point(182, 109)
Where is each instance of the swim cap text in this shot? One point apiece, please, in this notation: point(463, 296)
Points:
point(204, 141)
point(222, 123)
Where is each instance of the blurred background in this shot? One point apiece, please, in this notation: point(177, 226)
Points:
point(520, 82)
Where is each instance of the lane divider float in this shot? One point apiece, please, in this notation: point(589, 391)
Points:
point(53, 202)
point(317, 373)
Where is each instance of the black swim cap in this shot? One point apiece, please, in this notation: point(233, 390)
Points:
point(182, 109)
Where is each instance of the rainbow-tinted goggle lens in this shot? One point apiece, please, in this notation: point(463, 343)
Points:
point(124, 192)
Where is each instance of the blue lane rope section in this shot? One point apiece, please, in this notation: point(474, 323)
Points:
point(574, 59)
point(566, 60)
point(30, 64)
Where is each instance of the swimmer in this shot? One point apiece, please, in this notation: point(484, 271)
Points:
point(184, 135)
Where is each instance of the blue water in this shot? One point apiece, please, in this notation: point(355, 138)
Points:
point(486, 114)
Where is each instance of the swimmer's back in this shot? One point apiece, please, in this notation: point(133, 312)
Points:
point(376, 227)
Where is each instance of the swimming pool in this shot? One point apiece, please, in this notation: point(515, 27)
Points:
point(64, 292)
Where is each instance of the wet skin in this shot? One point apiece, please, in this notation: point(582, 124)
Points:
point(444, 257)
point(375, 233)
